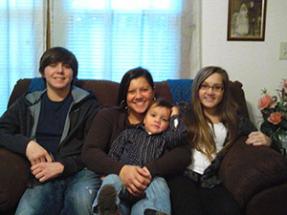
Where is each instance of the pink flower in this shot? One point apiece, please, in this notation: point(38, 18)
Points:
point(275, 118)
point(265, 102)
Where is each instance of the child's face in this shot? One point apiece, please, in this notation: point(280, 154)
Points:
point(157, 119)
point(211, 92)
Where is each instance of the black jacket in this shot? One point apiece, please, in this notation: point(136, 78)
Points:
point(18, 126)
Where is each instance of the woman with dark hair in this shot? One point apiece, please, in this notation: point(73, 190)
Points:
point(213, 123)
point(126, 80)
point(136, 93)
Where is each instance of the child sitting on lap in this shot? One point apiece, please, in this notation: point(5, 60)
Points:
point(161, 130)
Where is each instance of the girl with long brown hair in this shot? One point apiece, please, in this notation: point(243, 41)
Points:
point(213, 123)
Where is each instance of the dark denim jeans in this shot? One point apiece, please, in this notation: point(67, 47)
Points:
point(73, 195)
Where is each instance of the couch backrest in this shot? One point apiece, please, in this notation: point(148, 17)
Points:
point(106, 91)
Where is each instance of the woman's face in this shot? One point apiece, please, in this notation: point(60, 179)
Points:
point(211, 92)
point(139, 96)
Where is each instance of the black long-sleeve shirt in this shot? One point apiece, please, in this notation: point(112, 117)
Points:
point(135, 146)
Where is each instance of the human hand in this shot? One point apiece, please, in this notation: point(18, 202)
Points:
point(135, 179)
point(36, 153)
point(257, 138)
point(47, 170)
point(146, 171)
point(174, 111)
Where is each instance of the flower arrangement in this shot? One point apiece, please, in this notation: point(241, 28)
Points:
point(274, 112)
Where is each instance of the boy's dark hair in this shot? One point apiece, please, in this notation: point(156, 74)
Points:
point(56, 55)
point(126, 80)
point(161, 102)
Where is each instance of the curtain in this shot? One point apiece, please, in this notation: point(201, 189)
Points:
point(22, 40)
point(190, 38)
point(195, 45)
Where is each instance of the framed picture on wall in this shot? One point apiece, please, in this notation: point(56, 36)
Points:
point(246, 20)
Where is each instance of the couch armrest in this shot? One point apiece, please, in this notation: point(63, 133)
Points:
point(247, 170)
point(13, 179)
point(19, 89)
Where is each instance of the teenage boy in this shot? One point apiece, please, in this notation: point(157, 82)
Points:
point(48, 127)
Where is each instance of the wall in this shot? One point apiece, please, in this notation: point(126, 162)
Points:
point(255, 64)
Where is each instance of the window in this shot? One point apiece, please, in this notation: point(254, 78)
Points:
point(21, 43)
point(110, 37)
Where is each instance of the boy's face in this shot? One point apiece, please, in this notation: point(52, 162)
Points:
point(59, 76)
point(157, 119)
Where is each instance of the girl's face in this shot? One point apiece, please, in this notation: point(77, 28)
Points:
point(211, 92)
point(139, 96)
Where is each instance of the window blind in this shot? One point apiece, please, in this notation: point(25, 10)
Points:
point(110, 37)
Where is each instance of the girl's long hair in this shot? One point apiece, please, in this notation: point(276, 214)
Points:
point(200, 133)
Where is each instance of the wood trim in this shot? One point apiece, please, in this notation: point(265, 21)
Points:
point(48, 31)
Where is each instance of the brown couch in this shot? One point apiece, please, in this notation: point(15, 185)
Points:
point(256, 176)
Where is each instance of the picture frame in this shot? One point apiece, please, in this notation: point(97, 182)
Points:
point(246, 20)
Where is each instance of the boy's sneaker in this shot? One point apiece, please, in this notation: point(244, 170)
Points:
point(107, 200)
point(153, 212)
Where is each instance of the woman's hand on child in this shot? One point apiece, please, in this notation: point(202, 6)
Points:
point(174, 111)
point(135, 178)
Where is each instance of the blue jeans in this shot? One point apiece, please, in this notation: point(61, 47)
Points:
point(157, 196)
point(72, 195)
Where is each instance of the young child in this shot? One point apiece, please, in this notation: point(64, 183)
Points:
point(161, 130)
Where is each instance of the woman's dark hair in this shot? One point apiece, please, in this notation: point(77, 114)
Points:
point(56, 55)
point(126, 80)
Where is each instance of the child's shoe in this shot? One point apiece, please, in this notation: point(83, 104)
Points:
point(107, 201)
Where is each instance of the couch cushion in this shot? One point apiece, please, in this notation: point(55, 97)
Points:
point(180, 90)
point(247, 170)
point(36, 84)
point(269, 201)
point(13, 179)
